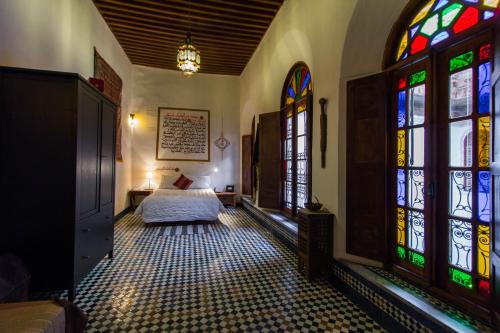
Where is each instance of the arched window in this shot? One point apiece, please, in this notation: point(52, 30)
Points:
point(440, 198)
point(296, 115)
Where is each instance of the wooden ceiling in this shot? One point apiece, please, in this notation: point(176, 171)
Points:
point(226, 32)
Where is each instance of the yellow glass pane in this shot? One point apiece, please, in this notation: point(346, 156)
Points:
point(401, 226)
point(401, 148)
point(423, 13)
point(483, 250)
point(483, 151)
point(491, 3)
point(289, 100)
point(402, 45)
point(301, 108)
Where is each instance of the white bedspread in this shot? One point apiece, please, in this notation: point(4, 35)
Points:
point(180, 205)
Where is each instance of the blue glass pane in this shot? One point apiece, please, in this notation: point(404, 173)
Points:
point(488, 14)
point(306, 82)
point(401, 188)
point(483, 196)
point(414, 30)
point(484, 88)
point(405, 56)
point(472, 1)
point(401, 109)
point(291, 92)
point(440, 37)
point(441, 4)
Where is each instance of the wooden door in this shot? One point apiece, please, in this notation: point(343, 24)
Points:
point(88, 152)
point(246, 164)
point(495, 174)
point(366, 166)
point(269, 160)
point(107, 156)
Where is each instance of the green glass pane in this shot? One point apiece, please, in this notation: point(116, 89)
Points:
point(450, 13)
point(460, 61)
point(417, 77)
point(416, 259)
point(297, 82)
point(430, 26)
point(461, 278)
point(401, 252)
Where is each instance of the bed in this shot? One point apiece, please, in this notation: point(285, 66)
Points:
point(174, 205)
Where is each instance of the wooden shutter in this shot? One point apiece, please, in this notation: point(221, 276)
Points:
point(269, 160)
point(366, 166)
point(495, 173)
point(246, 164)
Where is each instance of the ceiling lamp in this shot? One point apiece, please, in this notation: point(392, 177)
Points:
point(188, 57)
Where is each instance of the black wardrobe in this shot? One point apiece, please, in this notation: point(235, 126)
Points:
point(57, 176)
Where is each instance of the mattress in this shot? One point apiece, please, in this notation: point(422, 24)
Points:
point(165, 205)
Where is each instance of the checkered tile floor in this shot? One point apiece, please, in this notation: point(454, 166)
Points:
point(236, 280)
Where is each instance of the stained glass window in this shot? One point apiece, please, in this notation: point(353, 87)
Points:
point(411, 162)
point(469, 184)
point(296, 120)
point(439, 20)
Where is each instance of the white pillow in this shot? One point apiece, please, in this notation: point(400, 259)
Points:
point(167, 181)
point(199, 182)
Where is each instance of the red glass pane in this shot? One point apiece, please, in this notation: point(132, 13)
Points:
point(485, 52)
point(402, 83)
point(468, 19)
point(419, 44)
point(484, 287)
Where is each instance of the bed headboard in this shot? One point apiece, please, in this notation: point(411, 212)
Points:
point(167, 169)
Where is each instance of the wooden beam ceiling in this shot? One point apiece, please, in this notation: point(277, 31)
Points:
point(226, 32)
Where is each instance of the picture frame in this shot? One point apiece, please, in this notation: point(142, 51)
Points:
point(229, 188)
point(183, 135)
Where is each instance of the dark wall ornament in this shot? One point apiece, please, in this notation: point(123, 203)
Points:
point(322, 123)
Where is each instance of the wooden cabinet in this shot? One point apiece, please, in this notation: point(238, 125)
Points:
point(57, 142)
point(315, 242)
point(227, 198)
point(133, 194)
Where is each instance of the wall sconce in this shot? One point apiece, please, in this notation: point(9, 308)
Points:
point(216, 169)
point(132, 120)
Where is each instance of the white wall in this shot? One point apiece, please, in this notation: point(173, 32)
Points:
point(338, 40)
point(155, 88)
point(60, 35)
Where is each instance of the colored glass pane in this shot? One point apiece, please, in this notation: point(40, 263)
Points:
point(291, 92)
point(483, 250)
point(484, 287)
point(491, 3)
point(417, 78)
point(305, 84)
point(401, 109)
point(431, 25)
point(450, 13)
point(460, 99)
point(484, 196)
point(483, 149)
point(460, 143)
point(416, 105)
point(461, 278)
point(469, 18)
point(401, 252)
point(299, 85)
point(413, 31)
point(401, 226)
point(487, 14)
point(485, 52)
point(401, 188)
point(461, 61)
point(402, 83)
point(402, 45)
point(460, 244)
point(440, 37)
point(401, 148)
point(418, 44)
point(460, 193)
point(484, 88)
point(416, 259)
point(440, 5)
point(423, 12)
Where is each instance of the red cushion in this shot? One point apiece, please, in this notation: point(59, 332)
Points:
point(183, 182)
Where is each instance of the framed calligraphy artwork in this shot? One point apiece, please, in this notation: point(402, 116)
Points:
point(183, 135)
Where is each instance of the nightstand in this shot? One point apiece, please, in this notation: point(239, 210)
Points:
point(315, 242)
point(227, 198)
point(137, 193)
